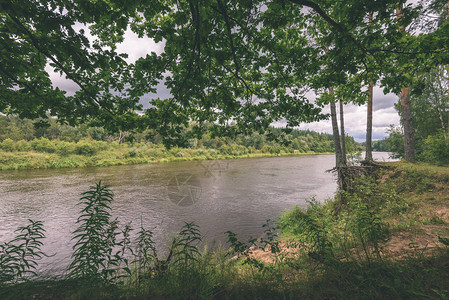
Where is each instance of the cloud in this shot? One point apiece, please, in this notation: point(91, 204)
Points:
point(355, 116)
point(382, 101)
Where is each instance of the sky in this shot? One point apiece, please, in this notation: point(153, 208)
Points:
point(384, 113)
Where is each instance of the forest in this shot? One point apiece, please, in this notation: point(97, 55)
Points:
point(230, 70)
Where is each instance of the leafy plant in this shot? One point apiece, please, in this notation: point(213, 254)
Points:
point(186, 247)
point(366, 229)
point(18, 258)
point(146, 254)
point(97, 238)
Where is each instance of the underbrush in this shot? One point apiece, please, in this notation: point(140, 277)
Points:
point(335, 249)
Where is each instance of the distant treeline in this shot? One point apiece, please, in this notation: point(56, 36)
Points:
point(22, 135)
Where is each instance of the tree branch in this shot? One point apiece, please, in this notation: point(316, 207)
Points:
point(36, 45)
point(315, 7)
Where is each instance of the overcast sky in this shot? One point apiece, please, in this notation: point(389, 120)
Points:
point(384, 113)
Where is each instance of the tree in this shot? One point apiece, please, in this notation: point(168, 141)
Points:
point(248, 62)
point(36, 36)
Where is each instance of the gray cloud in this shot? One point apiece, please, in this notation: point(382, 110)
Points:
point(382, 101)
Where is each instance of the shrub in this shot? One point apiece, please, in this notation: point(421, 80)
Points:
point(43, 145)
point(86, 148)
point(8, 145)
point(65, 148)
point(436, 149)
point(23, 145)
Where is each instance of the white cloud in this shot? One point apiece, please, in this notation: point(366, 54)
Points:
point(384, 114)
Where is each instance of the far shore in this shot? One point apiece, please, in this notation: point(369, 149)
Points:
point(38, 160)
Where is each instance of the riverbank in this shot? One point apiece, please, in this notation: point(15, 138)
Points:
point(386, 240)
point(45, 154)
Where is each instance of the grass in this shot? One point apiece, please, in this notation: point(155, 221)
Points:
point(381, 242)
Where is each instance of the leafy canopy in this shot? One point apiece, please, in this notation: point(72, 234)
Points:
point(249, 62)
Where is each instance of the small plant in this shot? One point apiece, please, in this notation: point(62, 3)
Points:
point(146, 252)
point(186, 247)
point(366, 229)
point(18, 258)
point(97, 238)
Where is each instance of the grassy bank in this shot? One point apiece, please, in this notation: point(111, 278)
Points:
point(45, 154)
point(385, 240)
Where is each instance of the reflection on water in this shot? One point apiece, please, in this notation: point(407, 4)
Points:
point(237, 195)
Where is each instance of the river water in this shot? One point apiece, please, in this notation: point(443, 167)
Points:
point(236, 195)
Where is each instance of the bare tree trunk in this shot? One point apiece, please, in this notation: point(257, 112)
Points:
point(406, 115)
point(336, 133)
point(369, 115)
point(369, 124)
point(342, 134)
point(448, 81)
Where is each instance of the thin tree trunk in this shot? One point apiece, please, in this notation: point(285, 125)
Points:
point(406, 115)
point(369, 115)
point(369, 124)
point(342, 134)
point(335, 132)
point(447, 69)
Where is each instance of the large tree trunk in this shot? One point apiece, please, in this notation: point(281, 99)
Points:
point(406, 115)
point(342, 134)
point(369, 124)
point(407, 123)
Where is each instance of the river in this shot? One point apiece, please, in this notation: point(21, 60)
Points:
point(236, 195)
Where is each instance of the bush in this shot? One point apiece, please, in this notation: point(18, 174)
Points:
point(86, 148)
point(8, 145)
point(43, 145)
point(23, 145)
point(395, 142)
point(436, 149)
point(65, 148)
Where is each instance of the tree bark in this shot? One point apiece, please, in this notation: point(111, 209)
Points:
point(369, 113)
point(406, 115)
point(407, 123)
point(369, 124)
point(342, 134)
point(335, 131)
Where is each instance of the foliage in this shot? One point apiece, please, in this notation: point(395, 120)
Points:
point(395, 142)
point(55, 150)
point(436, 149)
point(41, 34)
point(95, 253)
point(430, 112)
point(236, 52)
point(18, 257)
